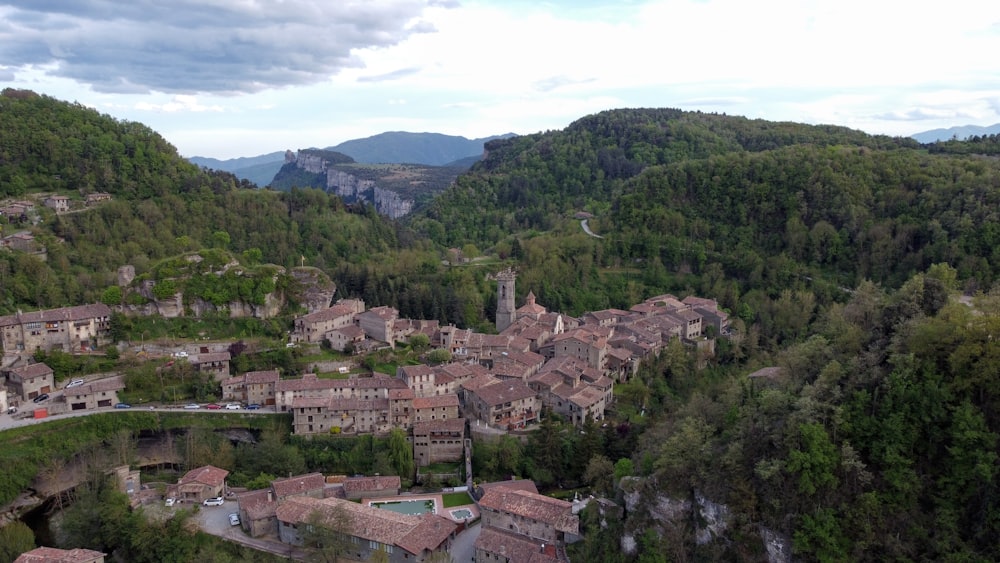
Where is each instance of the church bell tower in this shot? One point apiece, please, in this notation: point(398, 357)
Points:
point(506, 312)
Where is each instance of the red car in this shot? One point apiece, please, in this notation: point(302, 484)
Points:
point(213, 406)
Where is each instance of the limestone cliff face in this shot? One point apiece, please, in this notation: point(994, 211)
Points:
point(648, 507)
point(351, 188)
point(311, 287)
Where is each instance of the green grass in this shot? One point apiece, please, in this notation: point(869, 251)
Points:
point(452, 500)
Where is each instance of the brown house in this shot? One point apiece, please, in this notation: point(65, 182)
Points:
point(28, 382)
point(438, 441)
point(199, 484)
point(101, 393)
point(371, 487)
point(530, 515)
point(70, 329)
point(216, 363)
point(54, 555)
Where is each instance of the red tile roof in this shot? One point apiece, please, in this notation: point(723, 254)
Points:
point(514, 547)
point(297, 485)
point(554, 512)
point(206, 475)
point(365, 484)
point(53, 555)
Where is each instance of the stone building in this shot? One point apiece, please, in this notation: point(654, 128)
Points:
point(438, 441)
point(70, 329)
point(28, 382)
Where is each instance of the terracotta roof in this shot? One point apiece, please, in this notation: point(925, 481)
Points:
point(101, 385)
point(554, 512)
point(53, 555)
point(479, 381)
point(428, 534)
point(512, 484)
point(411, 533)
point(504, 392)
point(377, 483)
point(206, 475)
point(33, 370)
point(448, 400)
point(256, 504)
point(327, 314)
point(514, 547)
point(65, 314)
point(258, 377)
point(401, 394)
point(213, 357)
point(298, 484)
point(450, 425)
point(415, 371)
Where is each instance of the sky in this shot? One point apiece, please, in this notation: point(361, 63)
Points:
point(231, 78)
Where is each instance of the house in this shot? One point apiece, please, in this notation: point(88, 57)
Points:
point(15, 213)
point(253, 387)
point(310, 485)
point(356, 488)
point(313, 328)
point(54, 555)
point(513, 484)
point(96, 197)
point(215, 363)
point(28, 382)
point(59, 203)
point(378, 324)
point(439, 407)
point(100, 393)
point(70, 329)
point(503, 404)
point(438, 441)
point(348, 338)
point(530, 515)
point(21, 241)
point(507, 547)
point(368, 530)
point(257, 512)
point(199, 484)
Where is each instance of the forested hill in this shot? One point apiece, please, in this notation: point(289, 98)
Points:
point(51, 145)
point(682, 189)
point(162, 207)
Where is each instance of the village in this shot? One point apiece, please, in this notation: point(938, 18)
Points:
point(538, 362)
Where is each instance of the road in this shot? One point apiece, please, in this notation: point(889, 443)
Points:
point(8, 421)
point(586, 228)
point(462, 548)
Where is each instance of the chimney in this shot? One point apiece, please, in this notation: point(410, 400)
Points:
point(270, 496)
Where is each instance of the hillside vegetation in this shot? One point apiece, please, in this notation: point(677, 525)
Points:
point(840, 256)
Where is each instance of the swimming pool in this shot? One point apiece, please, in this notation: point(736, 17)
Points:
point(413, 507)
point(461, 514)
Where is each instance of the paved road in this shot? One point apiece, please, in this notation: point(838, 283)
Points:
point(462, 548)
point(586, 229)
point(9, 421)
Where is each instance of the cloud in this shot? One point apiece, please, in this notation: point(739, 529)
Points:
point(923, 114)
point(200, 46)
point(178, 103)
point(553, 82)
point(393, 75)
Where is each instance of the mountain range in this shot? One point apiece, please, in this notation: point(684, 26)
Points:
point(392, 147)
point(960, 132)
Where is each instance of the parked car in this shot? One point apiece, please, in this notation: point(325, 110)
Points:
point(214, 501)
point(253, 407)
point(123, 406)
point(290, 345)
point(232, 406)
point(234, 519)
point(213, 406)
point(170, 501)
point(181, 354)
point(42, 397)
point(74, 383)
point(192, 406)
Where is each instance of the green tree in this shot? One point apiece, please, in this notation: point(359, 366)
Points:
point(15, 538)
point(401, 454)
point(815, 461)
point(599, 474)
point(112, 296)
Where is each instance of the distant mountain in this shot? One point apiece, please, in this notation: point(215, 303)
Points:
point(401, 147)
point(959, 132)
point(395, 147)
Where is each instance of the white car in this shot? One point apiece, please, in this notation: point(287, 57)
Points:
point(170, 502)
point(192, 406)
point(232, 406)
point(214, 501)
point(74, 383)
point(181, 354)
point(234, 519)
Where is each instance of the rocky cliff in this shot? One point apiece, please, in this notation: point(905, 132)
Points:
point(393, 189)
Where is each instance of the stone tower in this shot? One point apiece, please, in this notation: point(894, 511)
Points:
point(506, 312)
